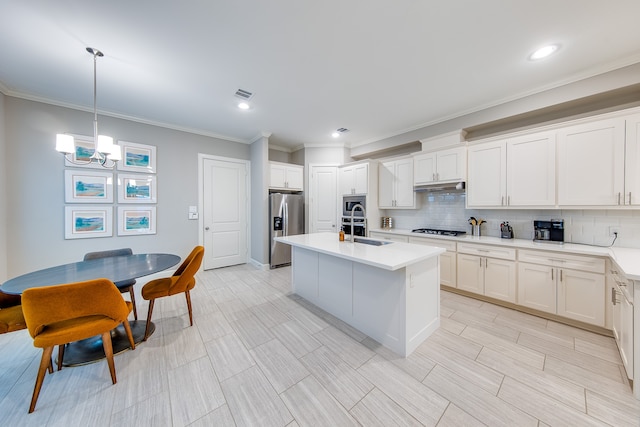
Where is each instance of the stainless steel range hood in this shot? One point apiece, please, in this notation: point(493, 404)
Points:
point(440, 186)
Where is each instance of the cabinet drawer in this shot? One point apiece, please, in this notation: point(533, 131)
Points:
point(487, 250)
point(390, 237)
point(552, 259)
point(439, 243)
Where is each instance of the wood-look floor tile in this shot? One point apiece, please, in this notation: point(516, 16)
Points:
point(251, 331)
point(183, 347)
point(452, 325)
point(485, 321)
point(138, 386)
point(295, 338)
point(417, 364)
point(613, 411)
point(484, 406)
point(212, 326)
point(542, 406)
point(560, 389)
point(277, 363)
point(343, 327)
point(269, 315)
point(587, 361)
point(376, 409)
point(222, 295)
point(454, 342)
point(228, 356)
point(220, 417)
point(609, 353)
point(446, 311)
point(194, 391)
point(309, 321)
point(351, 351)
point(151, 412)
point(508, 348)
point(418, 400)
point(253, 401)
point(235, 309)
point(536, 330)
point(336, 376)
point(456, 417)
point(484, 377)
point(312, 405)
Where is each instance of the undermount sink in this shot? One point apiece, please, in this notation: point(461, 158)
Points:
point(370, 241)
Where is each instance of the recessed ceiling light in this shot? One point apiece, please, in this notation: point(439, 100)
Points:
point(543, 52)
point(243, 106)
point(339, 132)
point(335, 134)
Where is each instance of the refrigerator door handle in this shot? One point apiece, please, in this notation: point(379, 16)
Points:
point(285, 215)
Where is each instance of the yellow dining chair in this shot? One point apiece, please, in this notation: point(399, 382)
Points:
point(123, 285)
point(11, 317)
point(57, 315)
point(183, 280)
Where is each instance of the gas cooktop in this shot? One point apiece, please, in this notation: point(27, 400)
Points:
point(440, 232)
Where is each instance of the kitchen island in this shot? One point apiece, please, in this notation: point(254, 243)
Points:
point(390, 292)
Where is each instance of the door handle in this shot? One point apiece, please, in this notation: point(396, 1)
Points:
point(206, 229)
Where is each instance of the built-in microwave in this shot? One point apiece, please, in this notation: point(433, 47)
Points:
point(349, 202)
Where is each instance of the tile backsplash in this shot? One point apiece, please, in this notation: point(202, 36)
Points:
point(448, 211)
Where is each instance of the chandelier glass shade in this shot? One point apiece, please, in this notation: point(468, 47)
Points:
point(105, 153)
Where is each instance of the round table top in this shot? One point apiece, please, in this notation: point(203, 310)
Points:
point(116, 269)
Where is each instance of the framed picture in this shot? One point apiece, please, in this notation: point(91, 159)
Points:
point(84, 149)
point(137, 157)
point(136, 220)
point(137, 188)
point(85, 222)
point(82, 186)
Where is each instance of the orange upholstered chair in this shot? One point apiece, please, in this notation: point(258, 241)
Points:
point(11, 317)
point(60, 314)
point(183, 280)
point(124, 285)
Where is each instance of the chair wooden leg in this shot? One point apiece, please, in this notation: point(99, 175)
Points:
point(60, 355)
point(189, 307)
point(108, 351)
point(133, 302)
point(146, 330)
point(127, 328)
point(45, 363)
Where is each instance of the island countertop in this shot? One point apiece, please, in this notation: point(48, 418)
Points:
point(391, 256)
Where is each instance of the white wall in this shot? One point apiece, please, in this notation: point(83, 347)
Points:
point(447, 211)
point(35, 189)
point(3, 193)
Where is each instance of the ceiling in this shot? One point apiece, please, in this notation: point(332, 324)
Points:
point(376, 67)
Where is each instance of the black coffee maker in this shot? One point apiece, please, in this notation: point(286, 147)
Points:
point(548, 231)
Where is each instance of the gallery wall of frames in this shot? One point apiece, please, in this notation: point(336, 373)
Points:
point(95, 194)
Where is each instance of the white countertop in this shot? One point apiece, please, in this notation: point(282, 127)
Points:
point(393, 256)
point(627, 259)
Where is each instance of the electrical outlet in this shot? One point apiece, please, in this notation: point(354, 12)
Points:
point(613, 231)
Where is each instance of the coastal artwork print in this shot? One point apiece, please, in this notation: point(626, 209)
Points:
point(82, 222)
point(84, 149)
point(137, 188)
point(135, 221)
point(88, 187)
point(137, 157)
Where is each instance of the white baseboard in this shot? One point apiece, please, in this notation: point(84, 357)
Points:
point(259, 265)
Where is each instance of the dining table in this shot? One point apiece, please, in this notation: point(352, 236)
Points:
point(116, 269)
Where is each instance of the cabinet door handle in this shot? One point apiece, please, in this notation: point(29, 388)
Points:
point(614, 295)
point(508, 200)
point(552, 274)
point(502, 201)
point(629, 197)
point(480, 262)
point(561, 275)
point(486, 262)
point(433, 176)
point(618, 197)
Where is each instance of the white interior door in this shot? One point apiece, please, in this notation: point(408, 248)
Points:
point(324, 198)
point(225, 207)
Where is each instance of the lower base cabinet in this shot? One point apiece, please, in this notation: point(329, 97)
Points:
point(537, 287)
point(447, 259)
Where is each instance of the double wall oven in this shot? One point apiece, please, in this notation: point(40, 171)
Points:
point(359, 218)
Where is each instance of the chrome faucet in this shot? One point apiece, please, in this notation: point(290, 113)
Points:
point(364, 215)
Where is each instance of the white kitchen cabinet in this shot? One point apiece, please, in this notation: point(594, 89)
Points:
point(571, 286)
point(389, 237)
point(514, 172)
point(621, 300)
point(284, 176)
point(632, 161)
point(395, 184)
point(591, 163)
point(487, 270)
point(440, 166)
point(448, 264)
point(354, 179)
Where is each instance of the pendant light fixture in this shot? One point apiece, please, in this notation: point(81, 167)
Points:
point(105, 152)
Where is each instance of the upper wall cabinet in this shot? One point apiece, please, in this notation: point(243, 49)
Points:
point(285, 176)
point(591, 169)
point(514, 172)
point(395, 184)
point(354, 179)
point(440, 166)
point(632, 161)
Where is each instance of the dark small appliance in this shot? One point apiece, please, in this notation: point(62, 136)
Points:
point(548, 231)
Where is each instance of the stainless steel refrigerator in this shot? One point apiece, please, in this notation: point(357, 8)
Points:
point(286, 218)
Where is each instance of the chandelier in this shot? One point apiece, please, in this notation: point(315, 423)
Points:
point(105, 152)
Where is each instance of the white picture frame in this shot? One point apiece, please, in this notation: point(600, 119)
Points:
point(87, 222)
point(137, 157)
point(84, 186)
point(84, 148)
point(136, 220)
point(133, 188)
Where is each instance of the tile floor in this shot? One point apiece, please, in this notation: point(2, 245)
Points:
point(258, 355)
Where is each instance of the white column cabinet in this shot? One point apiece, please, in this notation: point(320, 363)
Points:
point(591, 163)
point(632, 161)
point(621, 300)
point(286, 176)
point(440, 166)
point(354, 179)
point(395, 184)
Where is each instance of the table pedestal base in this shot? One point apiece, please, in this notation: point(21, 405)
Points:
point(90, 350)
